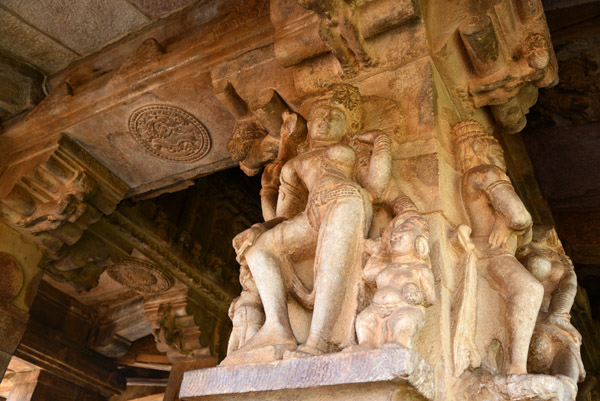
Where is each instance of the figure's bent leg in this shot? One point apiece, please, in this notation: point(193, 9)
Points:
point(565, 363)
point(368, 328)
point(403, 324)
point(523, 295)
point(265, 259)
point(340, 236)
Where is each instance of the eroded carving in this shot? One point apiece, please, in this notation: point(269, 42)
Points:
point(340, 30)
point(169, 132)
point(555, 343)
point(506, 49)
point(320, 211)
point(55, 201)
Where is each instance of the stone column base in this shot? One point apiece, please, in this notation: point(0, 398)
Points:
point(385, 374)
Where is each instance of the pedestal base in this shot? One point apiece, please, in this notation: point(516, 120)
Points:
point(386, 374)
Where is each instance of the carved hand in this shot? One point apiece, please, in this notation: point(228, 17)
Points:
point(562, 320)
point(369, 136)
point(245, 239)
point(412, 294)
point(499, 234)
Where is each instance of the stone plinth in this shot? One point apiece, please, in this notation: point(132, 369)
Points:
point(386, 374)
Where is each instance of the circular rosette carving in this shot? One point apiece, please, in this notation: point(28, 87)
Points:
point(140, 275)
point(170, 133)
point(11, 277)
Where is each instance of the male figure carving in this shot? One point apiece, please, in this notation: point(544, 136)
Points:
point(321, 211)
point(499, 221)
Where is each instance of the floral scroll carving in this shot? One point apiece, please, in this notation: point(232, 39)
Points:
point(169, 133)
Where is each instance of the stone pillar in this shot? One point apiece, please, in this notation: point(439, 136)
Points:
point(400, 100)
point(19, 281)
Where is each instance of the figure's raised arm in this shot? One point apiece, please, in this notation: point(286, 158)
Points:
point(292, 192)
point(378, 176)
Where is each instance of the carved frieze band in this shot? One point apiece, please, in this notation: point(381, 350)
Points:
point(169, 133)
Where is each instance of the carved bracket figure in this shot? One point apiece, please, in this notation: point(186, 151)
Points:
point(59, 196)
point(499, 223)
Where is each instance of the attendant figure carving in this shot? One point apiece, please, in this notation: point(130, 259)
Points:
point(555, 344)
point(399, 266)
point(500, 223)
point(323, 212)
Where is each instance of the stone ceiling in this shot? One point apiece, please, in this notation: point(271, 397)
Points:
point(51, 34)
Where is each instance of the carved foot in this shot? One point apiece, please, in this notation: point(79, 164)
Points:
point(271, 335)
point(268, 353)
point(303, 351)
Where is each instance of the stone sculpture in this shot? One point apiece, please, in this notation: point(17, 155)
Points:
point(321, 211)
point(555, 343)
point(500, 223)
point(400, 268)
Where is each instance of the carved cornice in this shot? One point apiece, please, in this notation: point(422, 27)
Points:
point(55, 196)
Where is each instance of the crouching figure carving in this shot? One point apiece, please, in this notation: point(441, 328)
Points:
point(399, 266)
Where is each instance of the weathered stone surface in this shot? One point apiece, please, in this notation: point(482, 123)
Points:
point(83, 26)
point(21, 87)
point(404, 368)
point(24, 42)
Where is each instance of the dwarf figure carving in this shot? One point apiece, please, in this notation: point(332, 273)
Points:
point(339, 29)
point(555, 343)
point(500, 223)
point(400, 268)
